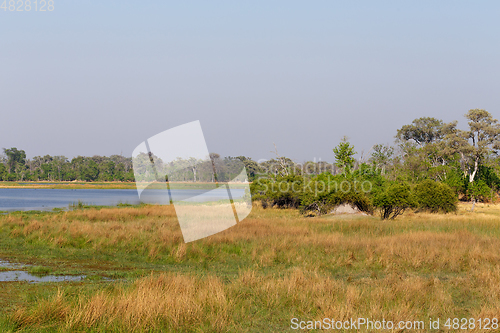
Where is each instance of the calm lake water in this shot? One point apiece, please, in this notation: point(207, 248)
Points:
point(46, 199)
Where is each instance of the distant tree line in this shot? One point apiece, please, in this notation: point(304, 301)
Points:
point(14, 166)
point(211, 169)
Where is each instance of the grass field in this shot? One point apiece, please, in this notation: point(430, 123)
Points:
point(254, 277)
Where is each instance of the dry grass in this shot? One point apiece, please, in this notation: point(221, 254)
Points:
point(148, 227)
point(183, 303)
point(177, 302)
point(415, 267)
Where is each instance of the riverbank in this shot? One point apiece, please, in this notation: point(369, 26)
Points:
point(104, 185)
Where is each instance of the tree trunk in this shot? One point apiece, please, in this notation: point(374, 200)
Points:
point(473, 174)
point(471, 179)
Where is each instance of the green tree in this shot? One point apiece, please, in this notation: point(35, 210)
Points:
point(484, 138)
point(423, 131)
point(253, 169)
point(344, 153)
point(475, 145)
point(394, 200)
point(15, 158)
point(435, 197)
point(478, 190)
point(3, 172)
point(89, 171)
point(424, 147)
point(382, 156)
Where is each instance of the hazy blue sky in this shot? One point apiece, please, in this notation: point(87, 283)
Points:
point(100, 77)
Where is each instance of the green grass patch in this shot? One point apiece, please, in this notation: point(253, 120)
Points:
point(39, 270)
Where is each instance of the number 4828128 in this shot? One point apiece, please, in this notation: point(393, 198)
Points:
point(27, 5)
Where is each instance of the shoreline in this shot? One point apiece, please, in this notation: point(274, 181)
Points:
point(99, 185)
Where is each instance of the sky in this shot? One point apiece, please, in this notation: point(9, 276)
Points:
point(100, 77)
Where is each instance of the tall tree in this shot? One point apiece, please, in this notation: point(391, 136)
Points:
point(344, 153)
point(423, 131)
point(15, 158)
point(476, 144)
point(484, 139)
point(382, 156)
point(253, 169)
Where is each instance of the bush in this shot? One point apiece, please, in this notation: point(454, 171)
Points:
point(394, 200)
point(284, 192)
point(435, 197)
point(319, 194)
point(322, 202)
point(478, 190)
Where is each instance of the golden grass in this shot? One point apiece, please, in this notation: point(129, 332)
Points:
point(184, 303)
point(415, 267)
point(149, 303)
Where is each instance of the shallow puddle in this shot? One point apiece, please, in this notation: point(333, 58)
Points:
point(7, 264)
point(24, 276)
point(19, 275)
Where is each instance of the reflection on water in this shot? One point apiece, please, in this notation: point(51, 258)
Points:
point(15, 199)
point(12, 199)
point(24, 276)
point(7, 264)
point(9, 276)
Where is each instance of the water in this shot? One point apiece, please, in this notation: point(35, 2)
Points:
point(17, 199)
point(18, 275)
point(6, 264)
point(24, 276)
point(45, 199)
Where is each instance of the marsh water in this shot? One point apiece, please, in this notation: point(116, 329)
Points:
point(17, 274)
point(15, 199)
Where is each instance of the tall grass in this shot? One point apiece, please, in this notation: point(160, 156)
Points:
point(171, 301)
point(257, 302)
point(274, 266)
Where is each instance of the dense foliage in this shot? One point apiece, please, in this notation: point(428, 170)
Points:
point(435, 197)
point(16, 167)
point(432, 165)
point(394, 200)
point(318, 194)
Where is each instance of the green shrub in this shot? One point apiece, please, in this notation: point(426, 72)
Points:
point(39, 270)
point(319, 194)
point(394, 200)
point(354, 197)
point(435, 197)
point(282, 192)
point(479, 190)
point(322, 202)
